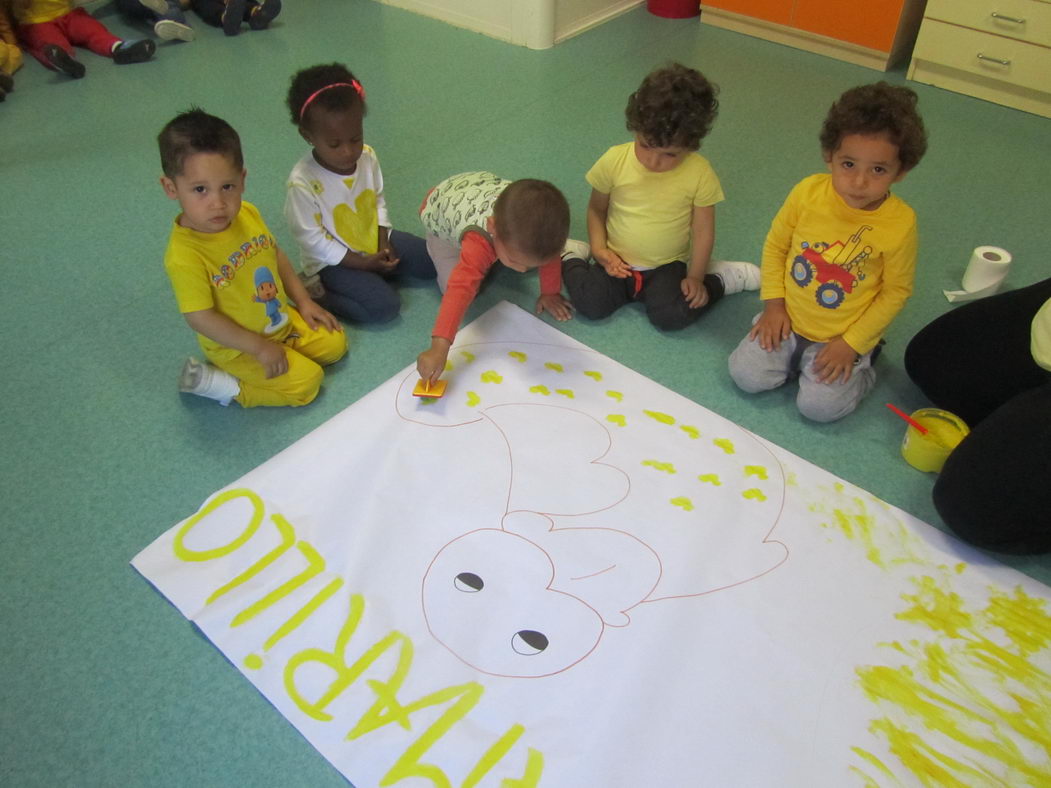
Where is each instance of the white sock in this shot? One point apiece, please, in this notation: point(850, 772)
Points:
point(208, 381)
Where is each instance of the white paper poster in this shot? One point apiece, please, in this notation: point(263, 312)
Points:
point(563, 574)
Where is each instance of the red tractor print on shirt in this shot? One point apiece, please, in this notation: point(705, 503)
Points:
point(836, 277)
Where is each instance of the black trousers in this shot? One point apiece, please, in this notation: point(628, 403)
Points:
point(595, 294)
point(995, 488)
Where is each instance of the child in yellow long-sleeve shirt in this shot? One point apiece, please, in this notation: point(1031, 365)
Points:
point(839, 258)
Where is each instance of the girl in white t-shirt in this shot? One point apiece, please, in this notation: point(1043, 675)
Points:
point(335, 205)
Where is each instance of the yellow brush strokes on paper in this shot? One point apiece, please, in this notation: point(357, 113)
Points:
point(554, 366)
point(596, 376)
point(693, 432)
point(472, 399)
point(725, 444)
point(710, 478)
point(517, 355)
point(685, 503)
point(972, 705)
point(468, 356)
point(756, 470)
point(617, 419)
point(492, 376)
point(870, 523)
point(540, 390)
point(666, 467)
point(615, 395)
point(663, 418)
point(752, 494)
point(565, 392)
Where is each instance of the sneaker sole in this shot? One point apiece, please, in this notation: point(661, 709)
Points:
point(139, 52)
point(170, 30)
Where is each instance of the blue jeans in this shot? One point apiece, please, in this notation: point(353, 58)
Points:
point(133, 9)
point(368, 297)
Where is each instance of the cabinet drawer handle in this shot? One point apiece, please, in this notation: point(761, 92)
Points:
point(1004, 18)
point(998, 61)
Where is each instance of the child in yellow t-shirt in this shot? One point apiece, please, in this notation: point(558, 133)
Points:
point(838, 261)
point(233, 283)
point(652, 208)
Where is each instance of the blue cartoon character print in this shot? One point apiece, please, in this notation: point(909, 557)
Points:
point(266, 294)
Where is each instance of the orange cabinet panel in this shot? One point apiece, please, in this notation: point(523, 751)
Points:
point(872, 24)
point(779, 11)
point(876, 33)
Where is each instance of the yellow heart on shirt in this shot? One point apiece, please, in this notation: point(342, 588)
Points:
point(358, 227)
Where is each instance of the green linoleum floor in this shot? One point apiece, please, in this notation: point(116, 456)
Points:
point(104, 682)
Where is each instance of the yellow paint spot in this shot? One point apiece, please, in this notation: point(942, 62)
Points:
point(663, 418)
point(725, 444)
point(617, 419)
point(565, 392)
point(472, 399)
point(468, 356)
point(753, 494)
point(427, 400)
point(960, 567)
point(666, 467)
point(969, 706)
point(615, 395)
point(755, 470)
point(517, 356)
point(253, 662)
point(684, 503)
point(491, 376)
point(693, 432)
point(554, 366)
point(596, 376)
point(710, 478)
point(540, 390)
point(448, 366)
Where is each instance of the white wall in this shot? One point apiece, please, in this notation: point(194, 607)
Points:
point(537, 24)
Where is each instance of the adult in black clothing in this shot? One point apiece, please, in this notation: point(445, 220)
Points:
point(977, 361)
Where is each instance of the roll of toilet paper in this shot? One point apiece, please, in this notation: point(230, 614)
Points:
point(984, 275)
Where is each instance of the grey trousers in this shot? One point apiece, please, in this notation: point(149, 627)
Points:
point(754, 369)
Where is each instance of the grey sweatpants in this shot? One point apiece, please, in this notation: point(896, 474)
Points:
point(754, 369)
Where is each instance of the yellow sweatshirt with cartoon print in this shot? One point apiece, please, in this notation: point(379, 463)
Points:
point(842, 271)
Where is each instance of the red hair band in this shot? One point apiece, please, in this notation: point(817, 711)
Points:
point(352, 84)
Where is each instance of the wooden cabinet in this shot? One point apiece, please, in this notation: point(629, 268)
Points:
point(878, 33)
point(997, 50)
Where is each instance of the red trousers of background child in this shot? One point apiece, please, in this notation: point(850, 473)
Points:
point(77, 27)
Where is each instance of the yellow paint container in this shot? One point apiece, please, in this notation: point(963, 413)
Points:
point(944, 433)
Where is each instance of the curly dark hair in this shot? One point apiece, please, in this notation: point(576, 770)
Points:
point(195, 131)
point(880, 108)
point(533, 216)
point(674, 107)
point(307, 82)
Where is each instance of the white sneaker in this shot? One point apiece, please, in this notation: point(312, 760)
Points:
point(736, 276)
point(205, 380)
point(576, 250)
point(170, 30)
